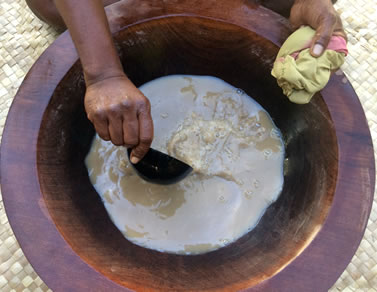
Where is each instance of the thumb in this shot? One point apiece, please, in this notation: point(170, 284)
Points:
point(323, 35)
point(138, 153)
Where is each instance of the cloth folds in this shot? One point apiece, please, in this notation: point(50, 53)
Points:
point(298, 73)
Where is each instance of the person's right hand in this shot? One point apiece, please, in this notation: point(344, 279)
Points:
point(120, 113)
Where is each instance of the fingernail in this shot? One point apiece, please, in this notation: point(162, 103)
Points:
point(134, 159)
point(318, 49)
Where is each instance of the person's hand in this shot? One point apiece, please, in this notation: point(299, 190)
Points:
point(120, 113)
point(321, 16)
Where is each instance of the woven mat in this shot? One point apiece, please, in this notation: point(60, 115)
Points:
point(24, 38)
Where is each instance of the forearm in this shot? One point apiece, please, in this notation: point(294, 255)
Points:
point(87, 23)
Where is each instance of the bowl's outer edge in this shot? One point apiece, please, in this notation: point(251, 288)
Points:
point(334, 245)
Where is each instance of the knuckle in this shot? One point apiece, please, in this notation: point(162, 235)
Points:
point(103, 135)
point(126, 104)
point(131, 140)
point(147, 104)
point(146, 140)
point(114, 112)
point(113, 109)
point(130, 143)
point(132, 127)
point(323, 40)
point(143, 104)
point(98, 114)
point(331, 17)
point(117, 142)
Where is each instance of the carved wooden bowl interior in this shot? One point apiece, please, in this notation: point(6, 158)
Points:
point(279, 243)
point(244, 60)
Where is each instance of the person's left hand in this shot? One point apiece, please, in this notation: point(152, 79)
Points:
point(321, 16)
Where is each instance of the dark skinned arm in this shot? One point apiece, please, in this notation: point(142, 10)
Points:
point(117, 109)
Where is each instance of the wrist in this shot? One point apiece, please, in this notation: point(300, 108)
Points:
point(95, 76)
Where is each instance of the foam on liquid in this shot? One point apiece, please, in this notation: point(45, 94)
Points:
point(235, 150)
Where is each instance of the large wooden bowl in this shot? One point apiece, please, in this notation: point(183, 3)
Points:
point(305, 239)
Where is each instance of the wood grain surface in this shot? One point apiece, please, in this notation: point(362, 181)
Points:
point(305, 239)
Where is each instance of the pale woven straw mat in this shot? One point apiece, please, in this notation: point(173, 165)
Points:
point(24, 38)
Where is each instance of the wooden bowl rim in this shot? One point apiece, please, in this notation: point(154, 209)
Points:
point(62, 269)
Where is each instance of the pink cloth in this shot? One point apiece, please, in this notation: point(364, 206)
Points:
point(337, 43)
